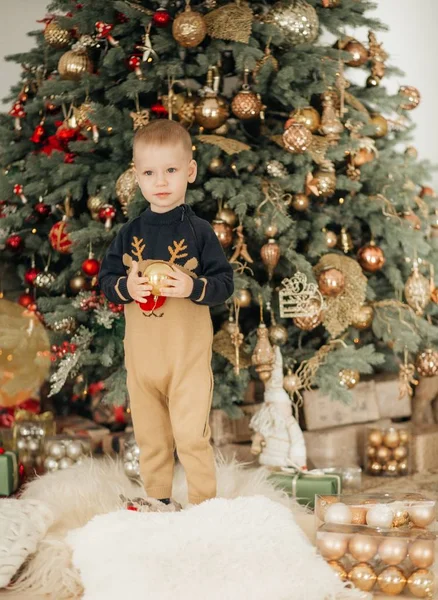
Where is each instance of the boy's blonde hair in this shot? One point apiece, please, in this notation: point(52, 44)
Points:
point(164, 132)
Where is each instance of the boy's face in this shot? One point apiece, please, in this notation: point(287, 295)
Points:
point(163, 173)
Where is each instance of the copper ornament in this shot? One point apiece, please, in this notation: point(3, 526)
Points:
point(371, 257)
point(380, 124)
point(349, 378)
point(331, 282)
point(263, 356)
point(246, 105)
point(270, 254)
point(411, 97)
point(307, 116)
point(189, 28)
point(427, 363)
point(224, 232)
point(297, 138)
point(363, 318)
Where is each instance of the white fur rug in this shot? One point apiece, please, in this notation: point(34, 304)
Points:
point(240, 549)
point(78, 495)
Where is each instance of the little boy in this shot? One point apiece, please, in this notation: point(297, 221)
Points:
point(168, 338)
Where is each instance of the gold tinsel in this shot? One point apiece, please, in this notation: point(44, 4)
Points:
point(226, 144)
point(230, 22)
point(342, 309)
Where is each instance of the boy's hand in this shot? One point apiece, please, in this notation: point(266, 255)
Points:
point(137, 286)
point(179, 285)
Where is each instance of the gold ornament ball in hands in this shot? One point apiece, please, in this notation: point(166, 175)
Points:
point(307, 116)
point(246, 105)
point(157, 272)
point(421, 583)
point(371, 258)
point(331, 282)
point(391, 581)
point(411, 97)
point(427, 363)
point(362, 576)
point(362, 547)
point(422, 553)
point(363, 318)
point(189, 28)
point(349, 378)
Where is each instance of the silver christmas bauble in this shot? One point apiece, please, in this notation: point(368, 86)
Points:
point(50, 464)
point(65, 463)
point(56, 450)
point(33, 445)
point(131, 468)
point(74, 449)
point(21, 444)
point(24, 431)
point(128, 456)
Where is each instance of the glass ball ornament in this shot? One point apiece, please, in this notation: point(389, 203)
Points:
point(297, 138)
point(65, 462)
point(332, 547)
point(246, 105)
point(158, 272)
point(331, 282)
point(371, 258)
point(55, 36)
point(243, 298)
point(211, 111)
point(307, 116)
point(224, 232)
point(363, 318)
point(380, 124)
point(331, 239)
point(358, 51)
point(325, 180)
point(411, 97)
point(73, 64)
point(297, 20)
point(393, 551)
point(189, 28)
point(380, 515)
point(391, 581)
point(300, 202)
point(349, 378)
point(362, 576)
point(74, 449)
point(278, 334)
point(56, 450)
point(362, 547)
point(421, 583)
point(50, 464)
point(339, 513)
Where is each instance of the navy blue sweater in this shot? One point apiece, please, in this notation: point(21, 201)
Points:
point(178, 236)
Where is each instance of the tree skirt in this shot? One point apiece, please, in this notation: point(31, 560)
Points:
point(243, 548)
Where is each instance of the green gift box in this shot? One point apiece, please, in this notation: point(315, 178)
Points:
point(8, 473)
point(305, 485)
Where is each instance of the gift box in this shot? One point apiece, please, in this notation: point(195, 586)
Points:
point(391, 406)
point(379, 510)
point(225, 430)
point(351, 477)
point(305, 486)
point(76, 425)
point(424, 448)
point(9, 477)
point(322, 412)
point(395, 563)
point(113, 444)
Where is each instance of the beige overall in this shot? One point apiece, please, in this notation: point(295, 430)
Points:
point(170, 385)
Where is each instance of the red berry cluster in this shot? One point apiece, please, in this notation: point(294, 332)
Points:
point(62, 350)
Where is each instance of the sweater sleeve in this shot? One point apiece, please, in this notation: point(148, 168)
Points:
point(112, 277)
point(216, 283)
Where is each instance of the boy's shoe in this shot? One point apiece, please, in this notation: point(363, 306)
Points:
point(150, 505)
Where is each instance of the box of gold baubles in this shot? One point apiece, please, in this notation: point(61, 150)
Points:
point(381, 543)
point(388, 450)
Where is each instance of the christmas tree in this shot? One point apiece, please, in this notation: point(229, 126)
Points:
point(309, 182)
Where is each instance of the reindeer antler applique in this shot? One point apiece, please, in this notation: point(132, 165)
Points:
point(177, 252)
point(139, 246)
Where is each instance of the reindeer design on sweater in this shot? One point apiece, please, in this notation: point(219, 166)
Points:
point(176, 252)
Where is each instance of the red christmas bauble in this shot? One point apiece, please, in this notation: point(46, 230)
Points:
point(91, 267)
point(38, 134)
point(25, 299)
point(42, 209)
point(159, 110)
point(59, 239)
point(29, 278)
point(152, 303)
point(14, 243)
point(161, 18)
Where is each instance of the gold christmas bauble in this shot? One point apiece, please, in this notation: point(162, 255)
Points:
point(383, 454)
point(307, 323)
point(417, 291)
point(362, 156)
point(211, 111)
point(224, 232)
point(391, 438)
point(373, 81)
point(126, 187)
point(331, 282)
point(421, 553)
point(331, 239)
point(297, 138)
point(358, 51)
point(300, 202)
point(349, 378)
point(362, 547)
point(57, 37)
point(246, 105)
point(427, 363)
point(325, 180)
point(297, 20)
point(278, 334)
point(391, 581)
point(271, 230)
point(189, 28)
point(375, 438)
point(228, 215)
point(94, 204)
point(380, 124)
point(421, 583)
point(411, 152)
point(411, 97)
point(270, 254)
point(371, 258)
point(73, 64)
point(291, 382)
point(363, 318)
point(157, 272)
point(362, 576)
point(216, 165)
point(307, 116)
point(243, 298)
point(339, 569)
point(77, 284)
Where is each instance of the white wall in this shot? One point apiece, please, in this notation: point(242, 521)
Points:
point(412, 43)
